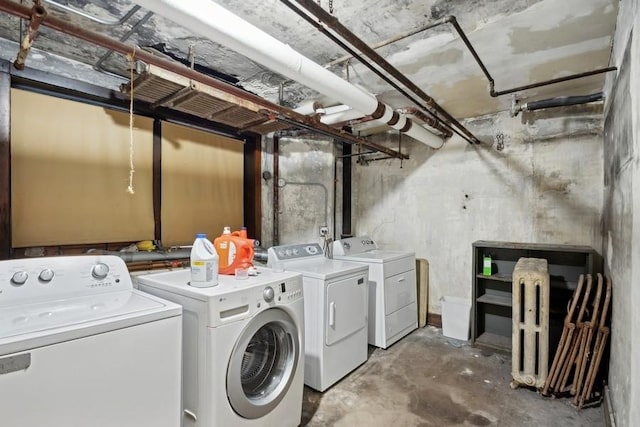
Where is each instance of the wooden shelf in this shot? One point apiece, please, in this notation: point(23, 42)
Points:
point(496, 277)
point(492, 307)
point(505, 301)
point(496, 341)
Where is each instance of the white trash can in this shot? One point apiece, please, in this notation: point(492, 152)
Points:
point(456, 312)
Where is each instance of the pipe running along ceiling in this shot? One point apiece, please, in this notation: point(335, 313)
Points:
point(218, 24)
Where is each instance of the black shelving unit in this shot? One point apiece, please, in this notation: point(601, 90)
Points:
point(492, 299)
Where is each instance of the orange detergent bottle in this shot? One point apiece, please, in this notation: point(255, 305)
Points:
point(234, 249)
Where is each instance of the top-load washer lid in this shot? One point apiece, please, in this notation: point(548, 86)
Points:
point(309, 260)
point(69, 301)
point(326, 269)
point(364, 249)
point(177, 282)
point(375, 256)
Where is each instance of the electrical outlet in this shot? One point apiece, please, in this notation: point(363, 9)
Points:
point(324, 231)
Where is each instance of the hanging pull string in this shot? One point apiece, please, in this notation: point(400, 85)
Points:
point(132, 169)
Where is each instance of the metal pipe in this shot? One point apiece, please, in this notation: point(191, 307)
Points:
point(335, 25)
point(370, 66)
point(98, 65)
point(147, 256)
point(223, 90)
point(383, 43)
point(109, 22)
point(334, 206)
point(374, 70)
point(276, 190)
point(211, 20)
point(550, 82)
point(345, 137)
point(428, 120)
point(454, 22)
point(38, 13)
point(346, 189)
point(561, 101)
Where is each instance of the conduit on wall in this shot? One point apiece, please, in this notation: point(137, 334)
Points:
point(218, 24)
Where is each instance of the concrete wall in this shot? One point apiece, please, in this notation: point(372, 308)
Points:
point(305, 189)
point(544, 187)
point(621, 227)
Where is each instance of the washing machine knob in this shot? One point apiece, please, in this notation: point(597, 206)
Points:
point(268, 294)
point(46, 275)
point(19, 278)
point(100, 271)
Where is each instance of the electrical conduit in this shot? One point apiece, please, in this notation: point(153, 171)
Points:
point(218, 24)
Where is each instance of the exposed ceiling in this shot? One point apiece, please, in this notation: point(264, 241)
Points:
point(520, 42)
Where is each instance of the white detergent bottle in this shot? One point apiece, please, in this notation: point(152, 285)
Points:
point(204, 263)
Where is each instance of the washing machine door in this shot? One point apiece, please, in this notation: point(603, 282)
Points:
point(263, 363)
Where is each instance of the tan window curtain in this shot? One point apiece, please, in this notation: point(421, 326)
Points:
point(70, 171)
point(202, 184)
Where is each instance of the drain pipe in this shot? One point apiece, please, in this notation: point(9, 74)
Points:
point(38, 13)
point(561, 101)
point(218, 24)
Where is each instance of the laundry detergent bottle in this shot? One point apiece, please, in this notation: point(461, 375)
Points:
point(235, 250)
point(204, 263)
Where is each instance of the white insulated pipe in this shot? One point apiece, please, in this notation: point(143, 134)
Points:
point(329, 115)
point(211, 20)
point(332, 116)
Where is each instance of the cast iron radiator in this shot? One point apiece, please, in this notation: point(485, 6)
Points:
point(530, 331)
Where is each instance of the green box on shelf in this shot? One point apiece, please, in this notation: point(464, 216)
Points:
point(486, 266)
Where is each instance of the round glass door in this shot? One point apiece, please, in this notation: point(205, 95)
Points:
point(263, 363)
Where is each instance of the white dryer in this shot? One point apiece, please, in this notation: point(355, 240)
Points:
point(80, 347)
point(335, 311)
point(242, 347)
point(393, 309)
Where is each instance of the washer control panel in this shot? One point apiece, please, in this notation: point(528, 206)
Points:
point(52, 277)
point(294, 252)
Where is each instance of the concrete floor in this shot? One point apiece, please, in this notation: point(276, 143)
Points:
point(429, 380)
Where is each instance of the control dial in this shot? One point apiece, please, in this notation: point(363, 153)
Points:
point(46, 275)
point(100, 271)
point(19, 278)
point(268, 294)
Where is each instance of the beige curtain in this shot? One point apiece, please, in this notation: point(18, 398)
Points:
point(202, 184)
point(70, 172)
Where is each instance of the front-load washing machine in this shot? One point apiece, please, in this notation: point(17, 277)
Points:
point(243, 347)
point(335, 311)
point(393, 308)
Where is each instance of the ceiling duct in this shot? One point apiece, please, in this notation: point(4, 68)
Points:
point(218, 24)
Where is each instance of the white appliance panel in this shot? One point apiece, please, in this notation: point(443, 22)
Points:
point(335, 300)
point(215, 320)
point(345, 308)
point(80, 346)
point(106, 380)
point(392, 288)
point(399, 291)
point(400, 323)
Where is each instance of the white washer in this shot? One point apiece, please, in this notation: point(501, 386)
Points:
point(393, 309)
point(335, 312)
point(242, 348)
point(80, 347)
